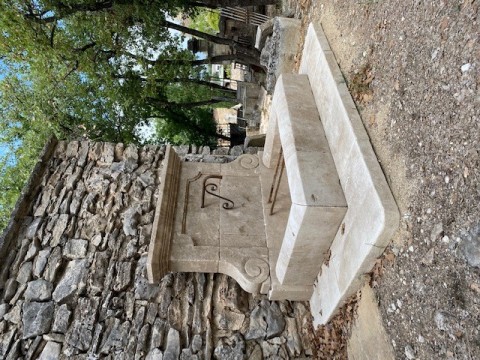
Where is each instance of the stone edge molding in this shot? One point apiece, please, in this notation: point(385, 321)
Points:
point(23, 204)
point(372, 216)
point(158, 263)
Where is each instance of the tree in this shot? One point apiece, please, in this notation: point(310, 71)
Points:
point(191, 126)
point(99, 69)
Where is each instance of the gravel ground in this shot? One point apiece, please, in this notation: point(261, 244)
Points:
point(413, 68)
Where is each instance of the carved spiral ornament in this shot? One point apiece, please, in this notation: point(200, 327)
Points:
point(248, 161)
point(257, 269)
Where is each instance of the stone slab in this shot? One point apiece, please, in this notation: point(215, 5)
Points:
point(203, 225)
point(308, 236)
point(194, 258)
point(369, 340)
point(372, 216)
point(288, 31)
point(246, 217)
point(310, 167)
point(279, 291)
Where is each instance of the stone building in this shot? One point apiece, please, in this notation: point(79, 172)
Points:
point(73, 281)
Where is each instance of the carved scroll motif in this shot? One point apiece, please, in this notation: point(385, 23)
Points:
point(257, 269)
point(248, 161)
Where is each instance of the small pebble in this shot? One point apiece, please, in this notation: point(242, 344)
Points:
point(399, 303)
point(466, 67)
point(409, 352)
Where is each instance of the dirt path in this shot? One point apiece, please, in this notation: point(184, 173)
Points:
point(413, 68)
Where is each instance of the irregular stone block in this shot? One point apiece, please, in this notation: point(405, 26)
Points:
point(4, 309)
point(139, 318)
point(38, 290)
point(75, 249)
point(232, 348)
point(108, 154)
point(51, 351)
point(172, 351)
point(37, 318)
point(25, 273)
point(54, 262)
point(82, 154)
point(237, 150)
point(62, 319)
point(124, 276)
point(25, 244)
point(58, 229)
point(182, 150)
point(33, 227)
point(116, 335)
point(197, 343)
point(266, 321)
point(154, 354)
point(13, 315)
point(40, 262)
point(130, 155)
point(229, 320)
point(142, 341)
point(11, 287)
point(130, 221)
point(158, 333)
point(32, 251)
point(6, 340)
point(72, 149)
point(151, 313)
point(80, 334)
point(294, 343)
point(72, 281)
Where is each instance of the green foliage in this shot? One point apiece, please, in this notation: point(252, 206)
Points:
point(94, 69)
point(189, 126)
point(17, 162)
point(206, 20)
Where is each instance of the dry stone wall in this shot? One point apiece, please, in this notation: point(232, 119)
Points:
point(73, 279)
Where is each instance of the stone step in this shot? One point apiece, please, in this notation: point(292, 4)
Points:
point(372, 216)
point(317, 201)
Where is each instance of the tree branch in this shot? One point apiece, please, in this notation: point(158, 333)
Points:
point(85, 47)
point(52, 34)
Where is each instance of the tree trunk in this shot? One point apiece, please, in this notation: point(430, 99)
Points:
point(162, 104)
point(237, 47)
point(240, 58)
point(198, 82)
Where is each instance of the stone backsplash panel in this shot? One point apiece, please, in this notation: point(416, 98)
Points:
point(74, 285)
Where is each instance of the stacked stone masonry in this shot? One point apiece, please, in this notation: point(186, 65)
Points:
point(74, 285)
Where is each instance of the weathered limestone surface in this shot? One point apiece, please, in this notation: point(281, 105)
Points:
point(74, 282)
point(372, 216)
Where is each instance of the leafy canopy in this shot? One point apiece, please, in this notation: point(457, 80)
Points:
point(95, 69)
